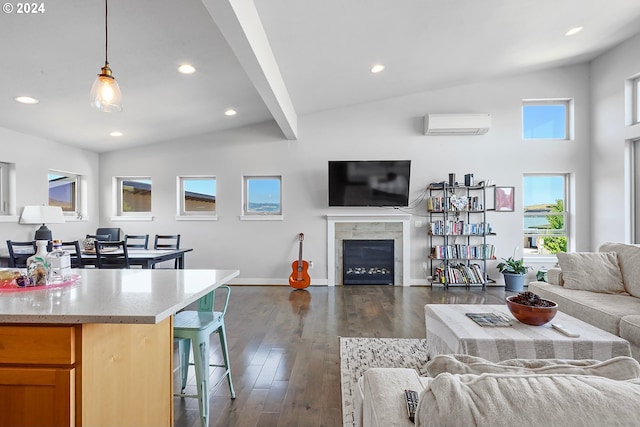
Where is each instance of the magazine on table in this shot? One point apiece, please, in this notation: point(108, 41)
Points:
point(489, 319)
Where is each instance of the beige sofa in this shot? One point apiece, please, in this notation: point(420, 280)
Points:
point(463, 390)
point(601, 288)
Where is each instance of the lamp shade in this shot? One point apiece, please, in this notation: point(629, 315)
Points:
point(42, 215)
point(105, 93)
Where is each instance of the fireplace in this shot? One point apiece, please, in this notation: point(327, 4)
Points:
point(368, 262)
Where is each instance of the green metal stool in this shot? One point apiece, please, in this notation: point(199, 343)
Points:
point(194, 328)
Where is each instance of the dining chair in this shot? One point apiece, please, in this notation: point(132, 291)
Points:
point(137, 241)
point(167, 241)
point(111, 254)
point(193, 329)
point(19, 252)
point(73, 248)
point(113, 233)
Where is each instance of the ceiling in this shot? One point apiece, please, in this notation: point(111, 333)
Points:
point(273, 59)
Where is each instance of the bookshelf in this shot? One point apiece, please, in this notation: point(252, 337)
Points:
point(458, 235)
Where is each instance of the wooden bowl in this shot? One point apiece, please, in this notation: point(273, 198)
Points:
point(529, 315)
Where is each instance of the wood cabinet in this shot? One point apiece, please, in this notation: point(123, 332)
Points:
point(86, 375)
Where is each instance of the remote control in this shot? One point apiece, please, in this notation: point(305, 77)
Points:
point(565, 331)
point(411, 397)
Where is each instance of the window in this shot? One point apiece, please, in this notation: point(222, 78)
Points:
point(63, 192)
point(134, 196)
point(197, 196)
point(262, 196)
point(545, 215)
point(4, 188)
point(546, 119)
point(636, 100)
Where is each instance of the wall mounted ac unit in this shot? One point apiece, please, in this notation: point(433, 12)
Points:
point(457, 124)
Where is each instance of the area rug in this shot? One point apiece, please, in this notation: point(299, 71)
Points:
point(359, 354)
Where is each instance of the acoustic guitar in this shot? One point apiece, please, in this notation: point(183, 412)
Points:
point(299, 277)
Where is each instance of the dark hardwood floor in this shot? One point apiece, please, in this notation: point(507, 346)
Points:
point(284, 348)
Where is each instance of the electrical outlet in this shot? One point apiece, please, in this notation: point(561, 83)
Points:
point(310, 264)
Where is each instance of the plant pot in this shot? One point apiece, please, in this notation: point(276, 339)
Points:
point(513, 282)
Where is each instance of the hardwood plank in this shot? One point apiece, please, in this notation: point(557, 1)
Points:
point(284, 348)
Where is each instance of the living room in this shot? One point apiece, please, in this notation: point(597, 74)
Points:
point(386, 129)
point(283, 344)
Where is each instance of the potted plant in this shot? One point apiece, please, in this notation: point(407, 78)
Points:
point(513, 271)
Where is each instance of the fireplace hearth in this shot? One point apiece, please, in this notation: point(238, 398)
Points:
point(368, 262)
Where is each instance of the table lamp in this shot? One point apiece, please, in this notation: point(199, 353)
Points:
point(42, 215)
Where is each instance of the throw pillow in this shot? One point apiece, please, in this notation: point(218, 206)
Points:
point(617, 368)
point(591, 271)
point(629, 262)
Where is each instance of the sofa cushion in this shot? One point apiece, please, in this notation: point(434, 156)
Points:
point(383, 396)
point(630, 329)
point(618, 368)
point(629, 262)
point(591, 271)
point(601, 310)
point(495, 400)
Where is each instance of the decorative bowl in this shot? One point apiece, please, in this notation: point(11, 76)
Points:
point(531, 315)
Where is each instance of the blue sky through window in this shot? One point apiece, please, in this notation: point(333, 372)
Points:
point(263, 190)
point(200, 186)
point(543, 189)
point(546, 121)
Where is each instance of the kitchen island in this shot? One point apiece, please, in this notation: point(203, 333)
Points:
point(98, 351)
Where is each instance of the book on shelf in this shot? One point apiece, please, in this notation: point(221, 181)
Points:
point(459, 274)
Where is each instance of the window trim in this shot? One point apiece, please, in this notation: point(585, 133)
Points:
point(568, 116)
point(566, 214)
point(80, 201)
point(181, 213)
point(8, 211)
point(119, 215)
point(264, 216)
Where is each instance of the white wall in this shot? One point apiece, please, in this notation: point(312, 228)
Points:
point(391, 129)
point(609, 132)
point(33, 158)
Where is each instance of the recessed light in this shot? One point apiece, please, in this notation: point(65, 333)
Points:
point(116, 133)
point(26, 100)
point(377, 68)
point(186, 69)
point(230, 112)
point(574, 30)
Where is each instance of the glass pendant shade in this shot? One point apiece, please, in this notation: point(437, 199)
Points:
point(105, 92)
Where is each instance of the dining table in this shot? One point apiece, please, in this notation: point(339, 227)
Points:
point(96, 349)
point(146, 258)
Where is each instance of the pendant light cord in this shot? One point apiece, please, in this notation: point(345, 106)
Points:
point(106, 31)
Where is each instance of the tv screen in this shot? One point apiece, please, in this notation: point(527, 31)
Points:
point(369, 182)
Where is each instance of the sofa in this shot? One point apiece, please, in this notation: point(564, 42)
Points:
point(462, 390)
point(601, 288)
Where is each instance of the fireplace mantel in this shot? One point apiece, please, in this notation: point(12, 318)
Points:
point(333, 219)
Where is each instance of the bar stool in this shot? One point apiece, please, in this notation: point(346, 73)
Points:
point(194, 329)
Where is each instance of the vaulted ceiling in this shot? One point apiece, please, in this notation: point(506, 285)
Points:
point(273, 59)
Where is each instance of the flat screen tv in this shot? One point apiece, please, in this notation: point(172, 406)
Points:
point(369, 182)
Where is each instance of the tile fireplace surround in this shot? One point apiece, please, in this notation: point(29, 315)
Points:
point(369, 226)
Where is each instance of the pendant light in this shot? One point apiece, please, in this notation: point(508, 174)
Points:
point(105, 92)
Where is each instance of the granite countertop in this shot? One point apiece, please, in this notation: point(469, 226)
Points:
point(112, 296)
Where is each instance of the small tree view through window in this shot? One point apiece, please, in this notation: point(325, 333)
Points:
point(545, 214)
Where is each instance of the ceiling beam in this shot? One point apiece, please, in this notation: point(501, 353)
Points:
point(240, 25)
